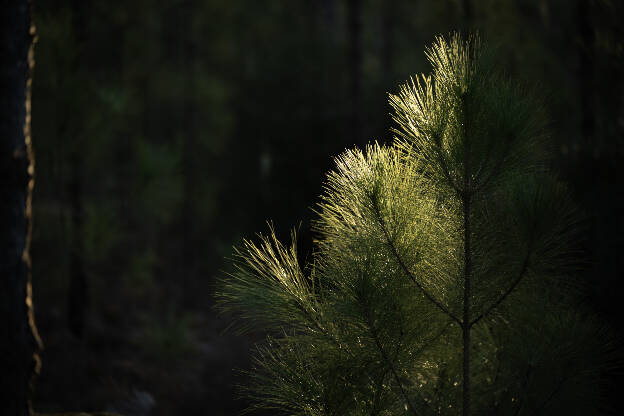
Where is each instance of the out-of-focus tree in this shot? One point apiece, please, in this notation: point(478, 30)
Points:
point(78, 291)
point(188, 115)
point(19, 341)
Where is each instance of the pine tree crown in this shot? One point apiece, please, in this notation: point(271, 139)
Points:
point(376, 324)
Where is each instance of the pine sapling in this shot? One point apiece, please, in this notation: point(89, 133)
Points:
point(441, 281)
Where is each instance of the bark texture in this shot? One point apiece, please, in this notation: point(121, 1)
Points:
point(19, 341)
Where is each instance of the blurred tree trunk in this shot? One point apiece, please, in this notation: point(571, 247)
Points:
point(78, 294)
point(586, 73)
point(390, 17)
point(468, 15)
point(189, 140)
point(534, 12)
point(354, 27)
point(329, 15)
point(19, 341)
point(388, 24)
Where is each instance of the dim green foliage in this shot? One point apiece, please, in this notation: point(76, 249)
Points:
point(250, 87)
point(170, 339)
point(373, 325)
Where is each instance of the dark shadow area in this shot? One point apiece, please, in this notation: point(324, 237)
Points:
point(166, 132)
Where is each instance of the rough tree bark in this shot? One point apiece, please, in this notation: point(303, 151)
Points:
point(19, 340)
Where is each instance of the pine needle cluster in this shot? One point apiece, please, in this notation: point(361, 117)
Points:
point(441, 280)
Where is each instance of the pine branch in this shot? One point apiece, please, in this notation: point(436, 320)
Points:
point(378, 389)
point(523, 270)
point(484, 163)
point(332, 338)
point(373, 331)
point(445, 170)
point(495, 171)
point(466, 202)
point(382, 224)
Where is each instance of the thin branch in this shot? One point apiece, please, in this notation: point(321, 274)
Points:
point(373, 331)
point(444, 166)
point(406, 270)
point(447, 173)
point(331, 337)
point(397, 350)
point(440, 378)
point(466, 202)
point(497, 169)
point(327, 334)
point(523, 269)
point(378, 392)
point(486, 160)
point(432, 340)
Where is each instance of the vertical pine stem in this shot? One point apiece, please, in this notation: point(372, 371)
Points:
point(466, 199)
point(466, 314)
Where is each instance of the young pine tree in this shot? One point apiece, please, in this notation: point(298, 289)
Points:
point(440, 281)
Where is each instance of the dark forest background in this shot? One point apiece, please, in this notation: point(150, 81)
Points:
point(166, 131)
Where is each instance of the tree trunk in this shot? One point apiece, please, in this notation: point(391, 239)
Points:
point(466, 203)
point(586, 73)
point(468, 16)
point(388, 23)
point(354, 12)
point(189, 149)
point(19, 341)
point(329, 16)
point(466, 313)
point(78, 292)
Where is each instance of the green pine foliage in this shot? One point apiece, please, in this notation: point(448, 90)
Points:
point(441, 281)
